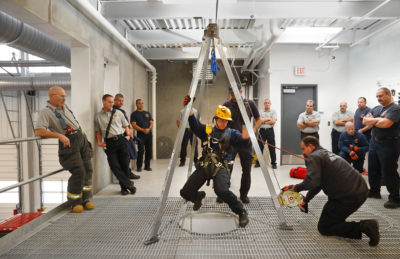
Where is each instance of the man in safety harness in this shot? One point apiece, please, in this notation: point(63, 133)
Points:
point(74, 149)
point(213, 163)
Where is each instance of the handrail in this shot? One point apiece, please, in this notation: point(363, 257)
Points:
point(30, 180)
point(2, 142)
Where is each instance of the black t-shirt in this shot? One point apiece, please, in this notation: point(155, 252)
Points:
point(237, 120)
point(391, 112)
point(142, 118)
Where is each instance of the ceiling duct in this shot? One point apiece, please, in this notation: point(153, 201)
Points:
point(24, 37)
point(34, 83)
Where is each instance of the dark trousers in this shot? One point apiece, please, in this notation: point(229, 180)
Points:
point(145, 143)
point(333, 219)
point(246, 157)
point(357, 164)
point(335, 141)
point(77, 160)
point(303, 135)
point(269, 136)
point(188, 136)
point(190, 190)
point(118, 158)
point(382, 161)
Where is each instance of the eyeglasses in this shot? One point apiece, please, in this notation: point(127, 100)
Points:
point(60, 95)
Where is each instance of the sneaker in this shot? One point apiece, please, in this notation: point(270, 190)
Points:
point(124, 191)
point(219, 200)
point(245, 199)
point(77, 208)
point(148, 169)
point(375, 195)
point(139, 170)
point(181, 164)
point(89, 205)
point(197, 204)
point(132, 189)
point(243, 219)
point(370, 227)
point(274, 166)
point(391, 205)
point(134, 176)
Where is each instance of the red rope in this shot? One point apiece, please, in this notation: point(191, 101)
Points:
point(290, 153)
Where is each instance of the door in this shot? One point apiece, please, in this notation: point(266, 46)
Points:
point(294, 99)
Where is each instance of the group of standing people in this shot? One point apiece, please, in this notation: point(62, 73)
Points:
point(114, 134)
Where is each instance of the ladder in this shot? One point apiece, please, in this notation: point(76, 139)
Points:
point(211, 36)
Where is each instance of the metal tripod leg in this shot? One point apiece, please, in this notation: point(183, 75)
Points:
point(253, 139)
point(172, 163)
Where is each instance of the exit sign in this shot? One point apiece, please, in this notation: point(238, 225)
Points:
point(299, 71)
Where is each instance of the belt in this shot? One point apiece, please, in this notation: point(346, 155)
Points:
point(266, 128)
point(115, 138)
point(384, 138)
point(73, 132)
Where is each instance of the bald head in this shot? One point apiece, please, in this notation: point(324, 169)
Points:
point(349, 127)
point(57, 96)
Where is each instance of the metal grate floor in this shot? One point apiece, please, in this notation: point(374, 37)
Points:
point(118, 227)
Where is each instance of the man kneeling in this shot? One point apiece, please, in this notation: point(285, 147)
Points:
point(345, 188)
point(213, 163)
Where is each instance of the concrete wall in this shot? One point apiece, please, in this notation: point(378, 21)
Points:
point(90, 47)
point(173, 83)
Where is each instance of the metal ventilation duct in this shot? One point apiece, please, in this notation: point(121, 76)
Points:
point(34, 83)
point(26, 38)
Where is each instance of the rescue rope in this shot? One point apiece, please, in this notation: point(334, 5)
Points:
point(281, 149)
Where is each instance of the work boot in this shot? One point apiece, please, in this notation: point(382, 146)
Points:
point(375, 195)
point(132, 189)
point(148, 169)
point(245, 199)
point(181, 164)
point(257, 164)
point(243, 219)
point(124, 191)
point(370, 227)
point(138, 169)
point(219, 200)
point(77, 208)
point(134, 176)
point(197, 204)
point(274, 166)
point(89, 205)
point(391, 205)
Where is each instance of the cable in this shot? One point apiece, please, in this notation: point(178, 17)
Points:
point(281, 149)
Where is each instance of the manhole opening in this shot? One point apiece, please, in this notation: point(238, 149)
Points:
point(209, 223)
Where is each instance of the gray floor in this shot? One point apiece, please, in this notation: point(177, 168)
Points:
point(118, 227)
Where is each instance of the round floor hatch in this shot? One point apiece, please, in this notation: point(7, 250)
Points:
point(209, 222)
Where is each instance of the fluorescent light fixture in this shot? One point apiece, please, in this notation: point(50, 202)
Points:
point(308, 34)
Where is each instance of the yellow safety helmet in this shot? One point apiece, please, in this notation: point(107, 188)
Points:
point(223, 112)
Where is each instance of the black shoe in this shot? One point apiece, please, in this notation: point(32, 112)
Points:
point(134, 176)
point(132, 189)
point(257, 165)
point(139, 170)
point(197, 204)
point(391, 205)
point(274, 166)
point(243, 219)
point(245, 199)
point(219, 200)
point(370, 227)
point(181, 164)
point(375, 195)
point(148, 169)
point(124, 191)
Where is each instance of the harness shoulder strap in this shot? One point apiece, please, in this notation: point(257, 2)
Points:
point(59, 117)
point(109, 123)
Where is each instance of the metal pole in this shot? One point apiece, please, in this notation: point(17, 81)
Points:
point(270, 185)
point(174, 156)
point(16, 140)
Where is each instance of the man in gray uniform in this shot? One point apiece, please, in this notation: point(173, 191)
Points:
point(74, 149)
point(111, 125)
point(339, 120)
point(345, 188)
point(308, 121)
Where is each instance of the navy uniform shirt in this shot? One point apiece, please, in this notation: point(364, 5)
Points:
point(359, 116)
point(391, 112)
point(359, 140)
point(237, 120)
point(142, 119)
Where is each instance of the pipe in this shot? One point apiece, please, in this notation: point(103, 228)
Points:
point(28, 63)
point(87, 9)
point(24, 37)
point(34, 83)
point(374, 32)
point(252, 54)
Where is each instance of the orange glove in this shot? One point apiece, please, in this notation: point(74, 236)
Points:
point(288, 187)
point(353, 155)
point(303, 207)
point(354, 148)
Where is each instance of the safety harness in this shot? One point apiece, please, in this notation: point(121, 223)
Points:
point(214, 158)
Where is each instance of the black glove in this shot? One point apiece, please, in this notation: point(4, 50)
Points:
point(288, 188)
point(303, 207)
